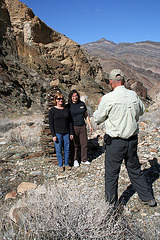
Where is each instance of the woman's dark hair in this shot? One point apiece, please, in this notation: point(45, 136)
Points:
point(70, 96)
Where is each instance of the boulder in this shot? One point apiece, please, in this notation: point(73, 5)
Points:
point(16, 210)
point(25, 187)
point(11, 195)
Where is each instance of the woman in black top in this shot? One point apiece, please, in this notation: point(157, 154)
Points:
point(60, 123)
point(79, 115)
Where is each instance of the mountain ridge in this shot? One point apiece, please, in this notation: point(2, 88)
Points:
point(33, 54)
point(141, 57)
point(101, 40)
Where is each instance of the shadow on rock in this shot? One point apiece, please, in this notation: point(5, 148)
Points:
point(151, 174)
point(94, 149)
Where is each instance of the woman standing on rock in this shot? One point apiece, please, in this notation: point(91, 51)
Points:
point(60, 123)
point(79, 115)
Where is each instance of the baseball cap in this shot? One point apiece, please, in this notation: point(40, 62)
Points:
point(116, 74)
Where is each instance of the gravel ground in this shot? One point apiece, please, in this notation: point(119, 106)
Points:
point(19, 162)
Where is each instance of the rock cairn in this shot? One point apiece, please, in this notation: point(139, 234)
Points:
point(46, 137)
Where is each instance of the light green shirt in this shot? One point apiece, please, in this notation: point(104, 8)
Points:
point(120, 110)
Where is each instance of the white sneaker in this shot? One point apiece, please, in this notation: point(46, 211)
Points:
point(87, 163)
point(76, 163)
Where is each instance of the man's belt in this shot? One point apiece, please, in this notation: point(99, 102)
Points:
point(108, 139)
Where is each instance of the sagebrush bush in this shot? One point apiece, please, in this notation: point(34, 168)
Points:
point(16, 136)
point(25, 131)
point(24, 135)
point(69, 212)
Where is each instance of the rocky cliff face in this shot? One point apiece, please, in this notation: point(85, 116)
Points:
point(32, 54)
point(140, 62)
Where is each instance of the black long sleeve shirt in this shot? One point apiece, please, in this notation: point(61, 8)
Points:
point(78, 111)
point(60, 121)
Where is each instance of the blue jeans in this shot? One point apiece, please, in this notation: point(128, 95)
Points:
point(63, 140)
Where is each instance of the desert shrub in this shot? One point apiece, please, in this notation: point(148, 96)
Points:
point(16, 136)
point(9, 230)
point(25, 136)
point(69, 212)
point(25, 131)
point(5, 125)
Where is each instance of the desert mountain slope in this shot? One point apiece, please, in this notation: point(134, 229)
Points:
point(32, 55)
point(140, 60)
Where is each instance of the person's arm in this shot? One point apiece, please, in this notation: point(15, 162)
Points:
point(141, 108)
point(71, 137)
point(71, 126)
point(88, 122)
point(99, 100)
point(51, 125)
point(101, 114)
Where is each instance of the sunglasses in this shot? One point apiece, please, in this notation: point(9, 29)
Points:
point(60, 98)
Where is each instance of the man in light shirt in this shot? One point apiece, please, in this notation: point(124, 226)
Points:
point(120, 110)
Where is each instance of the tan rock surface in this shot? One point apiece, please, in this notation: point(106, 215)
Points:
point(25, 187)
point(16, 210)
point(33, 54)
point(11, 195)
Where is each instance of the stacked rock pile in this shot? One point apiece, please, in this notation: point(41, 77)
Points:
point(46, 137)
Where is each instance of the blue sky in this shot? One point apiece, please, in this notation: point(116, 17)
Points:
point(87, 21)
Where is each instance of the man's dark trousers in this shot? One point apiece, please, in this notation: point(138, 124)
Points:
point(118, 150)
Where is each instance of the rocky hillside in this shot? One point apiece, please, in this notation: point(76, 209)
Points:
point(32, 55)
point(140, 61)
